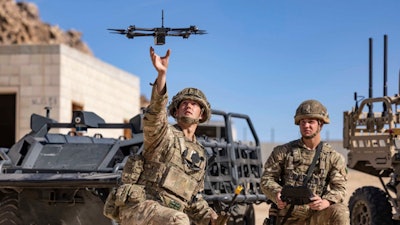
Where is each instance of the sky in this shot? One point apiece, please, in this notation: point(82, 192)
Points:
point(261, 57)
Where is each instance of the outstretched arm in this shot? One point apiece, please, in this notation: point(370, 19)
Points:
point(161, 65)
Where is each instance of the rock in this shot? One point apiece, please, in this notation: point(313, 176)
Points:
point(20, 24)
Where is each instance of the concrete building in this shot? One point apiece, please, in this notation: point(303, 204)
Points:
point(33, 77)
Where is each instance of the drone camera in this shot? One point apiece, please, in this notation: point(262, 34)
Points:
point(159, 40)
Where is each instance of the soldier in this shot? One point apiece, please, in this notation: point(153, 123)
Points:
point(288, 165)
point(167, 191)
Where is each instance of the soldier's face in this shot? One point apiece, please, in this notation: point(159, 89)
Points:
point(309, 128)
point(189, 109)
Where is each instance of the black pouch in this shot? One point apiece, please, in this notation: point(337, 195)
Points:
point(299, 195)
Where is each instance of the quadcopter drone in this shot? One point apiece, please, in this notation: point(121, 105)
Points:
point(159, 33)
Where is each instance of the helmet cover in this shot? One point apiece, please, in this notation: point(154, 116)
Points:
point(193, 94)
point(311, 109)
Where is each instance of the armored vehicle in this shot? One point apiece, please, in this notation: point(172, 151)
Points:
point(371, 133)
point(61, 174)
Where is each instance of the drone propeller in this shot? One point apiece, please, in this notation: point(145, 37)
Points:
point(200, 32)
point(117, 31)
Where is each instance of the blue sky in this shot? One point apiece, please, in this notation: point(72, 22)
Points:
point(260, 57)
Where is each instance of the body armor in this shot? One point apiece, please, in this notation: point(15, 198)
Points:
point(175, 179)
point(298, 161)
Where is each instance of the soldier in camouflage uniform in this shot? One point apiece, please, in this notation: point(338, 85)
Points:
point(167, 191)
point(288, 164)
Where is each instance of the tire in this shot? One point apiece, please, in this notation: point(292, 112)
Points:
point(370, 206)
point(9, 209)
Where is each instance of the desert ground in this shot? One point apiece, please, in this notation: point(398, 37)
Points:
point(355, 180)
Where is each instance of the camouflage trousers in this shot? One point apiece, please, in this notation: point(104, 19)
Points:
point(336, 214)
point(150, 212)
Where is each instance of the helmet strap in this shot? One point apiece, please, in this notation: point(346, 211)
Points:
point(315, 134)
point(311, 136)
point(187, 120)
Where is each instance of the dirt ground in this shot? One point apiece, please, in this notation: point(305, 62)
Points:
point(355, 180)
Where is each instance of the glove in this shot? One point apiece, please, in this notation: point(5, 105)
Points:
point(200, 213)
point(223, 218)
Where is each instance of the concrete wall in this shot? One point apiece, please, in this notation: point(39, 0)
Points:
point(59, 76)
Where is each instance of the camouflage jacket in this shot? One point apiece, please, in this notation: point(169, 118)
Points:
point(174, 167)
point(288, 164)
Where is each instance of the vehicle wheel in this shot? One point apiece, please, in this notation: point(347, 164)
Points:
point(9, 209)
point(370, 206)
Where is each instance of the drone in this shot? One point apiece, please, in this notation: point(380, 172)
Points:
point(159, 33)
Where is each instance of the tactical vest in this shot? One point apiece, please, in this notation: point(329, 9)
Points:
point(297, 165)
point(177, 177)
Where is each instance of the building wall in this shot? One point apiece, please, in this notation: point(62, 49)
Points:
point(59, 76)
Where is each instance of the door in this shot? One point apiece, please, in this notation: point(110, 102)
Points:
point(7, 120)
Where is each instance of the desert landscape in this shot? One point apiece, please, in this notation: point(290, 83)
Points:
point(356, 179)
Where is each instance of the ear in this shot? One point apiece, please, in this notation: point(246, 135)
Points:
point(201, 113)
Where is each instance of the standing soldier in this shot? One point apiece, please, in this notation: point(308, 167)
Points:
point(167, 191)
point(288, 165)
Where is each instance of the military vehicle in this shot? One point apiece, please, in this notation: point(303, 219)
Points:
point(59, 174)
point(371, 133)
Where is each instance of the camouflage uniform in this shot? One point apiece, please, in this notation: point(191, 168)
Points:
point(173, 175)
point(288, 164)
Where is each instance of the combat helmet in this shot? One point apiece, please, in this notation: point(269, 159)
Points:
point(191, 94)
point(311, 109)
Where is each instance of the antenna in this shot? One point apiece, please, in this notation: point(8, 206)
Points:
point(398, 91)
point(370, 106)
point(356, 99)
point(385, 40)
point(162, 18)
